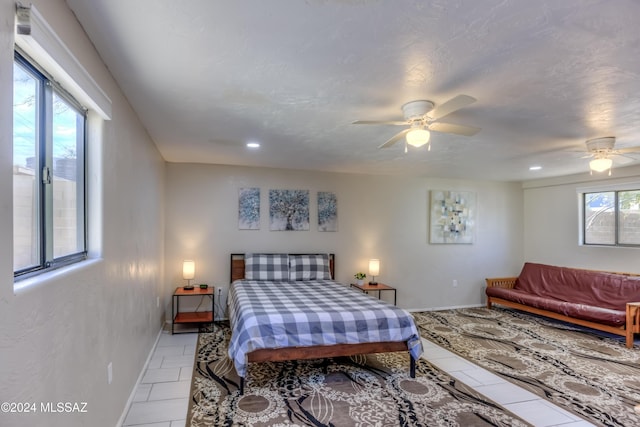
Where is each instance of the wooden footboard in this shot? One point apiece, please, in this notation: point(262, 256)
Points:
point(325, 351)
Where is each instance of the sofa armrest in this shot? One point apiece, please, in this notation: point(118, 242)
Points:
point(501, 282)
point(633, 322)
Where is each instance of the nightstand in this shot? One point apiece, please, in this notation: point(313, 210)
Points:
point(191, 316)
point(366, 288)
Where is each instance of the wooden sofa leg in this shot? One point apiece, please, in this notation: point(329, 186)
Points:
point(489, 303)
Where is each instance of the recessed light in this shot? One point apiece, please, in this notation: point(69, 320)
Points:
point(535, 168)
point(253, 145)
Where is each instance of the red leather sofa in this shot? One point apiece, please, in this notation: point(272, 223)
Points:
point(602, 300)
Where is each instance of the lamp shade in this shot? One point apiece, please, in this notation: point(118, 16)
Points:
point(601, 164)
point(418, 137)
point(188, 269)
point(374, 267)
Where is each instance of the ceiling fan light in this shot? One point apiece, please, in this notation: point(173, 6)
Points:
point(418, 137)
point(601, 164)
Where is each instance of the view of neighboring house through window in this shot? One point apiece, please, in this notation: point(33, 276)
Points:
point(612, 218)
point(48, 173)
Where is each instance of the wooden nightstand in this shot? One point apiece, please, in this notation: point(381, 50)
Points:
point(365, 287)
point(191, 316)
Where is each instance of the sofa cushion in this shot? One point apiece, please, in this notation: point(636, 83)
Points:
point(594, 288)
point(591, 313)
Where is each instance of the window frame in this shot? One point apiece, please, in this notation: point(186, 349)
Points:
point(47, 85)
point(616, 215)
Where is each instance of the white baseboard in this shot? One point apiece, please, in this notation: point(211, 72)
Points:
point(123, 416)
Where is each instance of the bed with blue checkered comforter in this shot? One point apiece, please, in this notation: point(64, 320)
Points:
point(270, 315)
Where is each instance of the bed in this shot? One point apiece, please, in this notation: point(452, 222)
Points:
point(288, 307)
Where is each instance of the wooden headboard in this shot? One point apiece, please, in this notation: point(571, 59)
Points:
point(237, 266)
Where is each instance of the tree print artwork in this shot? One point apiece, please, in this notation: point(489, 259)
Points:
point(327, 211)
point(249, 209)
point(288, 210)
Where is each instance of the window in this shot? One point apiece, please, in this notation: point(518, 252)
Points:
point(49, 141)
point(612, 218)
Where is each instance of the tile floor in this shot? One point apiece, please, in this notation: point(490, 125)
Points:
point(162, 395)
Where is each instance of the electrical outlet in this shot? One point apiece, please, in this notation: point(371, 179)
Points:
point(110, 372)
point(454, 283)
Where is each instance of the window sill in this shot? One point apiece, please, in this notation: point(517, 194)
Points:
point(23, 285)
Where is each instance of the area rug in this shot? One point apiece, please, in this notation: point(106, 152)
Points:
point(585, 372)
point(372, 390)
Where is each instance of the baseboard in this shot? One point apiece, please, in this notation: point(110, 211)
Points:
point(455, 307)
point(123, 416)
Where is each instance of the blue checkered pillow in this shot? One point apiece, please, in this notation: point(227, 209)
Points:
point(266, 266)
point(309, 267)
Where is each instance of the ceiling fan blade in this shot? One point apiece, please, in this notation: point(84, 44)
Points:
point(455, 129)
point(451, 105)
point(397, 137)
point(628, 150)
point(381, 122)
point(621, 160)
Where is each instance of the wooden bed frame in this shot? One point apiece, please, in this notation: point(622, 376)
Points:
point(319, 351)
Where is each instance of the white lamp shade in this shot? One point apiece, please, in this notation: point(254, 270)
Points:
point(600, 165)
point(374, 267)
point(188, 269)
point(418, 137)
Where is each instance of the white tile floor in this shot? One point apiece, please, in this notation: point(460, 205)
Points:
point(528, 406)
point(162, 396)
point(163, 393)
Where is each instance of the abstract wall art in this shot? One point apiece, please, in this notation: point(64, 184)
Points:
point(452, 217)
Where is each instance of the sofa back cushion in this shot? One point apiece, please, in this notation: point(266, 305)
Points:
point(598, 288)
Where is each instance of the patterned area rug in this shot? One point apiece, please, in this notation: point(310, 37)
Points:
point(356, 391)
point(588, 373)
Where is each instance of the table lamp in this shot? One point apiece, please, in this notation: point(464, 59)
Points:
point(188, 273)
point(374, 270)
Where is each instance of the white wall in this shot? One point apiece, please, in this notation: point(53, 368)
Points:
point(378, 217)
point(58, 335)
point(552, 229)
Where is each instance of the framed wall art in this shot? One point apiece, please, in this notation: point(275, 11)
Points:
point(288, 210)
point(452, 217)
point(249, 209)
point(327, 211)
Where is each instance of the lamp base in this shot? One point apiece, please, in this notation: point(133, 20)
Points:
point(373, 283)
point(188, 287)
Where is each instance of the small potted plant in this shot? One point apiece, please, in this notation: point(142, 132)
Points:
point(360, 278)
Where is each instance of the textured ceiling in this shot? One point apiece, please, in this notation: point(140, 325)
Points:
point(207, 76)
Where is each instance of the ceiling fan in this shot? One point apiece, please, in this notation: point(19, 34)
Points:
point(421, 117)
point(604, 155)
